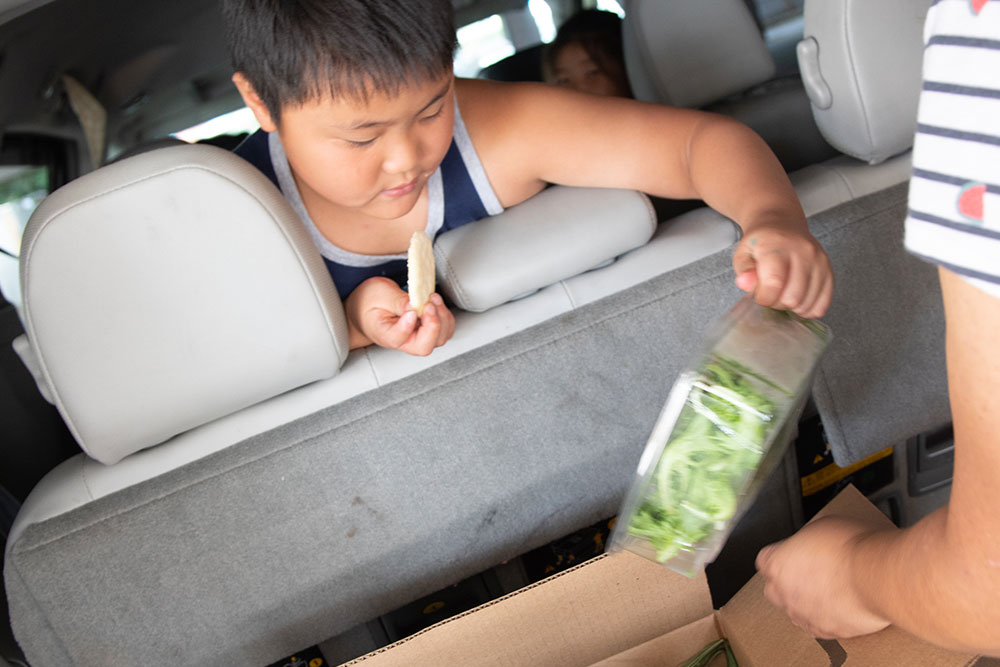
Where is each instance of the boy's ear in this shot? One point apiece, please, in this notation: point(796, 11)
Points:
point(252, 100)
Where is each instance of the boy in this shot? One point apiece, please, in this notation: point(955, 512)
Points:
point(370, 137)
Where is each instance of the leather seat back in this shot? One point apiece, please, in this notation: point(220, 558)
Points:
point(713, 56)
point(860, 62)
point(169, 289)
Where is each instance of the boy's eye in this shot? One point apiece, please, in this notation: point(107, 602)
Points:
point(433, 115)
point(360, 144)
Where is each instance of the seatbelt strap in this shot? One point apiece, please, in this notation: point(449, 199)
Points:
point(92, 116)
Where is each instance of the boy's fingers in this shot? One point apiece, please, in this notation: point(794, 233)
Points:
point(747, 281)
point(772, 275)
point(393, 331)
point(447, 319)
point(824, 292)
point(743, 258)
point(815, 289)
point(819, 295)
point(425, 338)
point(820, 291)
point(824, 299)
point(793, 295)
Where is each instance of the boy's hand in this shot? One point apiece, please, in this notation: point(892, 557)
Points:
point(379, 312)
point(785, 269)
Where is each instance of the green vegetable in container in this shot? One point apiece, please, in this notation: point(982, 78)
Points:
point(718, 440)
point(725, 424)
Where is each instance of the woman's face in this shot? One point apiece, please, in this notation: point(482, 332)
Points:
point(573, 68)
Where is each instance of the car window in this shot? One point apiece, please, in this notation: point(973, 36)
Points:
point(22, 188)
point(489, 40)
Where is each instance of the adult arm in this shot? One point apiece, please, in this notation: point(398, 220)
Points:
point(939, 579)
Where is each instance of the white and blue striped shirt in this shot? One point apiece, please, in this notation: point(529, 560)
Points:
point(954, 206)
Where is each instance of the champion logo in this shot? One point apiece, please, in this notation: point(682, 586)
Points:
point(977, 5)
point(970, 201)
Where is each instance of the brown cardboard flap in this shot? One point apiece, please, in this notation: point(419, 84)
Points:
point(766, 636)
point(578, 617)
point(852, 503)
point(893, 646)
point(673, 648)
point(763, 636)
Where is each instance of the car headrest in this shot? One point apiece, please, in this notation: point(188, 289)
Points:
point(559, 233)
point(689, 53)
point(861, 65)
point(170, 289)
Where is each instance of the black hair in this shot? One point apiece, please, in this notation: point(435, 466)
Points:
point(295, 51)
point(600, 34)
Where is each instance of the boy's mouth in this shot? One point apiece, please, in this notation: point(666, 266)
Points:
point(401, 190)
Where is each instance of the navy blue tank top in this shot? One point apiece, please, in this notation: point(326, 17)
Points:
point(458, 193)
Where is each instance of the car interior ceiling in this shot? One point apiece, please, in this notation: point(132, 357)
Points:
point(153, 80)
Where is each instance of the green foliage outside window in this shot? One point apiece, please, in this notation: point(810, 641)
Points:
point(23, 184)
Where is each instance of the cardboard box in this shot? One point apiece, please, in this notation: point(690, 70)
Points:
point(622, 610)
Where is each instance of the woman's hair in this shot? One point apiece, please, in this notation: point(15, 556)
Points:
point(295, 51)
point(600, 34)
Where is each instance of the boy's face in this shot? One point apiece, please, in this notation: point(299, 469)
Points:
point(372, 158)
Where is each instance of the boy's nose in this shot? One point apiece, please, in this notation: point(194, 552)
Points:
point(403, 156)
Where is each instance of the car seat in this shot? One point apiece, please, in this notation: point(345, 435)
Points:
point(712, 56)
point(884, 380)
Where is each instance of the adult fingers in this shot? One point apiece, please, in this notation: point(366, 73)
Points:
point(764, 556)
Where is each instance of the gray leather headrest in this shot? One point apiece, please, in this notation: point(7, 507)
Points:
point(860, 61)
point(693, 52)
point(559, 233)
point(170, 289)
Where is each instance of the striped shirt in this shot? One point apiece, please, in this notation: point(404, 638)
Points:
point(954, 207)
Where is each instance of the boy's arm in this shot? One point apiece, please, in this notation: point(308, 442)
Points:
point(378, 312)
point(939, 579)
point(529, 135)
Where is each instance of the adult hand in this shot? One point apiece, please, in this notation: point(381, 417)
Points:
point(810, 575)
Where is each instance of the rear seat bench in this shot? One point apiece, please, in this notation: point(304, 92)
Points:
point(244, 477)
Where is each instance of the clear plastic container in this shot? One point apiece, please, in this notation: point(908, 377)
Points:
point(726, 423)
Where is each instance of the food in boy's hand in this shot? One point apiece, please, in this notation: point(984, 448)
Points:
point(420, 270)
